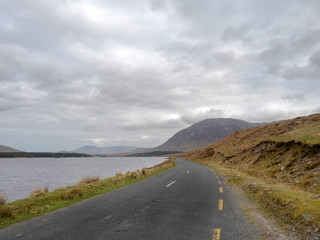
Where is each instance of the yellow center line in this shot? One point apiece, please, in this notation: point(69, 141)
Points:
point(220, 206)
point(216, 233)
point(220, 189)
point(219, 182)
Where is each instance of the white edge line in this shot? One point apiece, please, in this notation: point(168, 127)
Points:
point(170, 184)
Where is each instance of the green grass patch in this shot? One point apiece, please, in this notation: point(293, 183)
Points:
point(41, 201)
point(309, 134)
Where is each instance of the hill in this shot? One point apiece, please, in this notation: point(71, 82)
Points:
point(292, 144)
point(278, 165)
point(104, 150)
point(203, 133)
point(6, 149)
point(199, 135)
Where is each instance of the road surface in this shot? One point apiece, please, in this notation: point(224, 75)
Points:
point(188, 201)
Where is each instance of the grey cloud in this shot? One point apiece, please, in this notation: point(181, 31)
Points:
point(295, 97)
point(240, 33)
point(309, 39)
point(225, 57)
point(161, 124)
point(13, 95)
point(78, 71)
point(308, 72)
point(315, 58)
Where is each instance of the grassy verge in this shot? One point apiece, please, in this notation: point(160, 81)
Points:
point(41, 201)
point(294, 209)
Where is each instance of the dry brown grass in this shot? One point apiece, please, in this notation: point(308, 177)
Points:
point(87, 180)
point(3, 200)
point(39, 192)
point(144, 171)
point(71, 194)
point(7, 212)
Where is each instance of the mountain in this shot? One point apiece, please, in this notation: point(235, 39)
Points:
point(88, 149)
point(4, 148)
point(203, 133)
point(200, 135)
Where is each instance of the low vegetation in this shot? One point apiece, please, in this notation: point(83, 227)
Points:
point(3, 200)
point(278, 166)
point(87, 180)
point(39, 192)
point(41, 201)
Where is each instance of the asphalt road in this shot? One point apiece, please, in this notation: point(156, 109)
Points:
point(188, 201)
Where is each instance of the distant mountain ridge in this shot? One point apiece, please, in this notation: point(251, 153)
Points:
point(201, 134)
point(88, 149)
point(7, 149)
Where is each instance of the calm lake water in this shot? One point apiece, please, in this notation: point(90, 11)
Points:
point(20, 176)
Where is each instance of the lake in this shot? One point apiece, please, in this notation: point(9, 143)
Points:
point(20, 176)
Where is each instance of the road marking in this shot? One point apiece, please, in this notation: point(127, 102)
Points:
point(216, 234)
point(170, 184)
point(219, 182)
point(188, 171)
point(220, 189)
point(220, 205)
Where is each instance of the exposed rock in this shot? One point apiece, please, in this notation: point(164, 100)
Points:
point(316, 196)
point(308, 217)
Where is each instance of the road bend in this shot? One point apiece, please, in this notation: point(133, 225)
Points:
point(189, 201)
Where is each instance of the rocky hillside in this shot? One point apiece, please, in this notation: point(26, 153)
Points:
point(203, 133)
point(288, 151)
point(7, 149)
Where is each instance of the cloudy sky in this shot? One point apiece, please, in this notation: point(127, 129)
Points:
point(134, 72)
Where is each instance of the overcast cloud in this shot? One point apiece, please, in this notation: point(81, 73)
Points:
point(135, 72)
